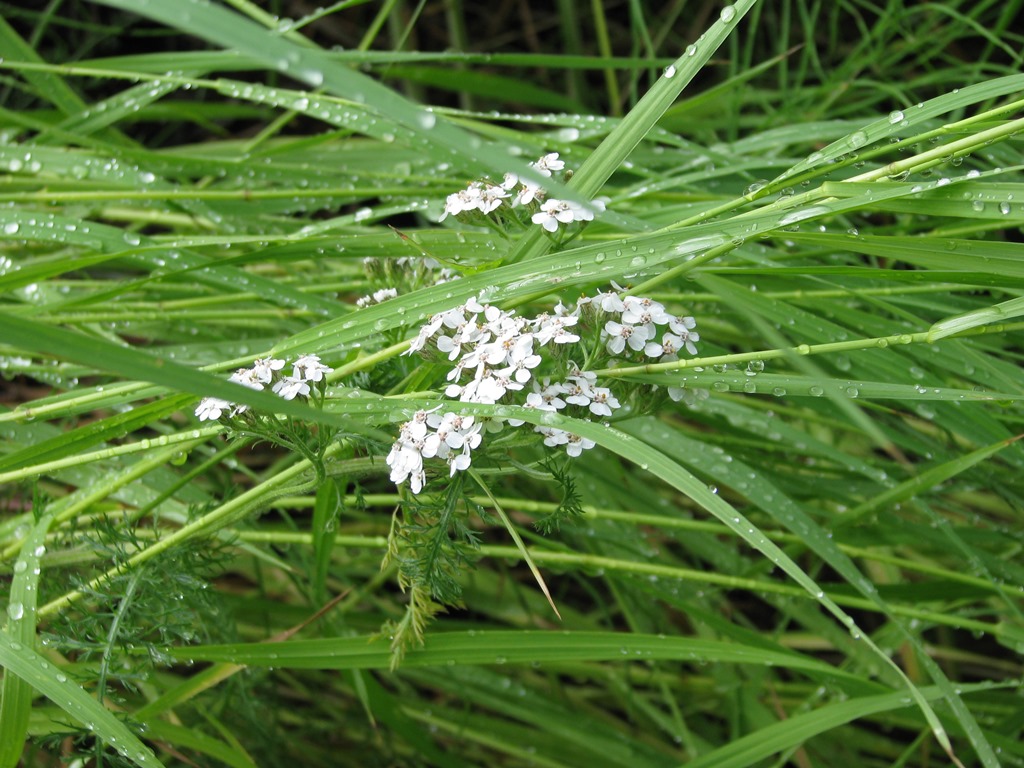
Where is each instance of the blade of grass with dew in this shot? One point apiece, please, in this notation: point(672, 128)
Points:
point(313, 67)
point(794, 731)
point(484, 646)
point(610, 154)
point(44, 677)
point(16, 693)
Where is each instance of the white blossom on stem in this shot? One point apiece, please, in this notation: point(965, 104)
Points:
point(265, 368)
point(309, 368)
point(211, 408)
point(291, 387)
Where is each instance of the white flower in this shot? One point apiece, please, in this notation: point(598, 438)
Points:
point(575, 445)
point(529, 192)
point(553, 437)
point(683, 326)
point(670, 344)
point(586, 212)
point(264, 368)
point(602, 401)
point(578, 391)
point(290, 386)
point(309, 368)
point(406, 462)
point(459, 462)
point(521, 362)
point(534, 400)
point(549, 163)
point(554, 212)
point(644, 311)
point(553, 329)
point(550, 394)
point(490, 198)
point(609, 302)
point(464, 200)
point(622, 334)
point(425, 332)
point(211, 408)
point(377, 297)
point(247, 377)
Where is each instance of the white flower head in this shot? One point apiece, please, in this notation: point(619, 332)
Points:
point(309, 368)
point(491, 197)
point(621, 334)
point(575, 445)
point(467, 199)
point(377, 297)
point(602, 401)
point(406, 462)
point(211, 408)
point(644, 311)
point(667, 349)
point(291, 387)
point(247, 377)
point(528, 193)
point(554, 212)
point(265, 367)
point(548, 163)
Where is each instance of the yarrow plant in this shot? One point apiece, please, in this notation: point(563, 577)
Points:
point(486, 202)
point(306, 380)
point(306, 370)
point(500, 357)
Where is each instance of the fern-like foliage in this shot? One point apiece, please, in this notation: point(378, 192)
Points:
point(571, 505)
point(438, 545)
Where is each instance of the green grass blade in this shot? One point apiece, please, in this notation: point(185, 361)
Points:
point(16, 693)
point(19, 660)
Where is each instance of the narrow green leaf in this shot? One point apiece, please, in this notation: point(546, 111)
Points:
point(28, 665)
point(995, 314)
point(16, 694)
point(490, 647)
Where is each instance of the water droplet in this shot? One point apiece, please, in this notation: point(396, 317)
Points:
point(15, 611)
point(858, 139)
point(20, 567)
point(895, 117)
point(11, 228)
point(670, 71)
point(1004, 208)
point(728, 14)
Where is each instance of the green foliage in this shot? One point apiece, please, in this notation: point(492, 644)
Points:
point(799, 546)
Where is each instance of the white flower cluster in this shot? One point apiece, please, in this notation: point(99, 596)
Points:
point(307, 369)
point(453, 439)
point(377, 297)
point(497, 357)
point(640, 321)
point(486, 197)
point(496, 353)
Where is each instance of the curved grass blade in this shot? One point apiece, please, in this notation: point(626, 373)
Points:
point(616, 147)
point(28, 665)
point(794, 731)
point(501, 647)
point(16, 694)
